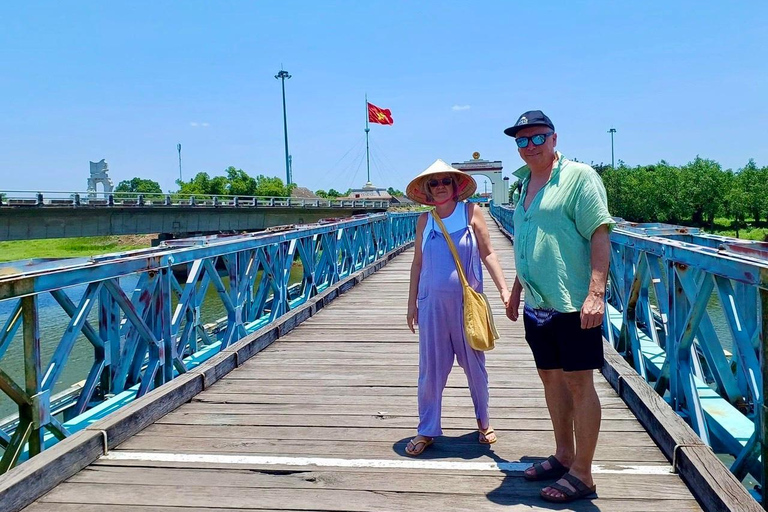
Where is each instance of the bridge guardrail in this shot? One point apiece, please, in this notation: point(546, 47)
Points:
point(26, 199)
point(144, 334)
point(689, 311)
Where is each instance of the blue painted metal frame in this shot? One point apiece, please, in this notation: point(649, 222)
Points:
point(148, 336)
point(662, 282)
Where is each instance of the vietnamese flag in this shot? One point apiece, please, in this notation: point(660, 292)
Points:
point(379, 115)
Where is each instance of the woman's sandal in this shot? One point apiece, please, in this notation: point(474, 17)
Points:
point(417, 445)
point(556, 470)
point(580, 490)
point(487, 436)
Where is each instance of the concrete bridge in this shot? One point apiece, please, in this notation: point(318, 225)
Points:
point(29, 216)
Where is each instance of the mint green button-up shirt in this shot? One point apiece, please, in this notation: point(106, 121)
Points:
point(553, 236)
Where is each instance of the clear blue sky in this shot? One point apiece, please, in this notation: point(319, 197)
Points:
point(127, 81)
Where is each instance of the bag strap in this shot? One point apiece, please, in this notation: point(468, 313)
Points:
point(452, 247)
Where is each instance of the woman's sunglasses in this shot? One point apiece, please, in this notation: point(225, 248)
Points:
point(538, 140)
point(445, 181)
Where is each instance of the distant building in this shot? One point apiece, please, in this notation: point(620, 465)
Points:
point(372, 193)
point(303, 193)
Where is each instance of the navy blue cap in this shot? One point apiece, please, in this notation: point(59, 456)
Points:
point(530, 118)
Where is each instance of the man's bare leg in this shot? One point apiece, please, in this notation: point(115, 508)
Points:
point(586, 418)
point(560, 406)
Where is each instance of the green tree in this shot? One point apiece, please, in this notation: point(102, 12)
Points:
point(334, 193)
point(203, 184)
point(321, 193)
point(754, 182)
point(394, 192)
point(272, 186)
point(236, 183)
point(704, 183)
point(138, 186)
point(240, 184)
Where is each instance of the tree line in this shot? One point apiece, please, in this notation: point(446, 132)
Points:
point(235, 182)
point(695, 193)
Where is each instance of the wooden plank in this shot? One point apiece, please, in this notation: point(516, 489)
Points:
point(318, 388)
point(635, 487)
point(463, 447)
point(381, 420)
point(336, 499)
point(250, 396)
point(90, 507)
point(465, 411)
point(521, 438)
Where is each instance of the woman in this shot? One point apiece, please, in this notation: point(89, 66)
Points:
point(435, 296)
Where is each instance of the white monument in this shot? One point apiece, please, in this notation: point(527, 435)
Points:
point(489, 169)
point(99, 174)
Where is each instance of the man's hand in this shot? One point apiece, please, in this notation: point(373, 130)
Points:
point(592, 311)
point(413, 317)
point(513, 306)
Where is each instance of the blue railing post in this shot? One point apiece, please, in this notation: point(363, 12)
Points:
point(762, 414)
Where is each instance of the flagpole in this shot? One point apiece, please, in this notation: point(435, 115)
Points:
point(367, 154)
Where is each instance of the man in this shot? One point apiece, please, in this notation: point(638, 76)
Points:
point(562, 250)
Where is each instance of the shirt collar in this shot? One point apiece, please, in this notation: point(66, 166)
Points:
point(525, 172)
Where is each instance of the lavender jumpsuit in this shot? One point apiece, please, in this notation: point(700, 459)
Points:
point(441, 330)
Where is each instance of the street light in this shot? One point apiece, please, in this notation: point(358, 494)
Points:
point(612, 131)
point(178, 148)
point(282, 75)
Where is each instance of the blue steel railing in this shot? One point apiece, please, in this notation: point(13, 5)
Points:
point(689, 311)
point(146, 335)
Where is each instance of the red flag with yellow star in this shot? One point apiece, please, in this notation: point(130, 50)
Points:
point(379, 115)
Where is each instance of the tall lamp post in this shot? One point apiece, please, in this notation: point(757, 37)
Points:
point(282, 75)
point(612, 131)
point(178, 148)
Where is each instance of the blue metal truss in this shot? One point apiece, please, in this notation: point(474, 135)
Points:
point(665, 284)
point(145, 336)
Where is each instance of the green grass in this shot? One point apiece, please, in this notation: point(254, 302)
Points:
point(67, 247)
point(724, 226)
point(759, 234)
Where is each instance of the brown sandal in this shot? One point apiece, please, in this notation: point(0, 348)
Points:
point(487, 436)
point(417, 445)
point(580, 490)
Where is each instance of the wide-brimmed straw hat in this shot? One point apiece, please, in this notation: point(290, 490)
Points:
point(417, 191)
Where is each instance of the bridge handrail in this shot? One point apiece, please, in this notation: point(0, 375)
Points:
point(146, 334)
point(88, 199)
point(663, 280)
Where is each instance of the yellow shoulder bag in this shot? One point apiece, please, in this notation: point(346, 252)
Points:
point(479, 328)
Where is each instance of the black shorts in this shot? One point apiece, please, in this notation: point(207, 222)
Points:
point(561, 343)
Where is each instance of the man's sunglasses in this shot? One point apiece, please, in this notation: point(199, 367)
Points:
point(444, 181)
point(538, 140)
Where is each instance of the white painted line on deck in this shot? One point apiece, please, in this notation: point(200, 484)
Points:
point(364, 463)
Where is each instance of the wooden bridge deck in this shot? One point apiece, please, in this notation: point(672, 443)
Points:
point(319, 421)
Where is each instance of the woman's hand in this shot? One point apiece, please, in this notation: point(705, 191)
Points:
point(413, 317)
point(513, 306)
point(505, 296)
